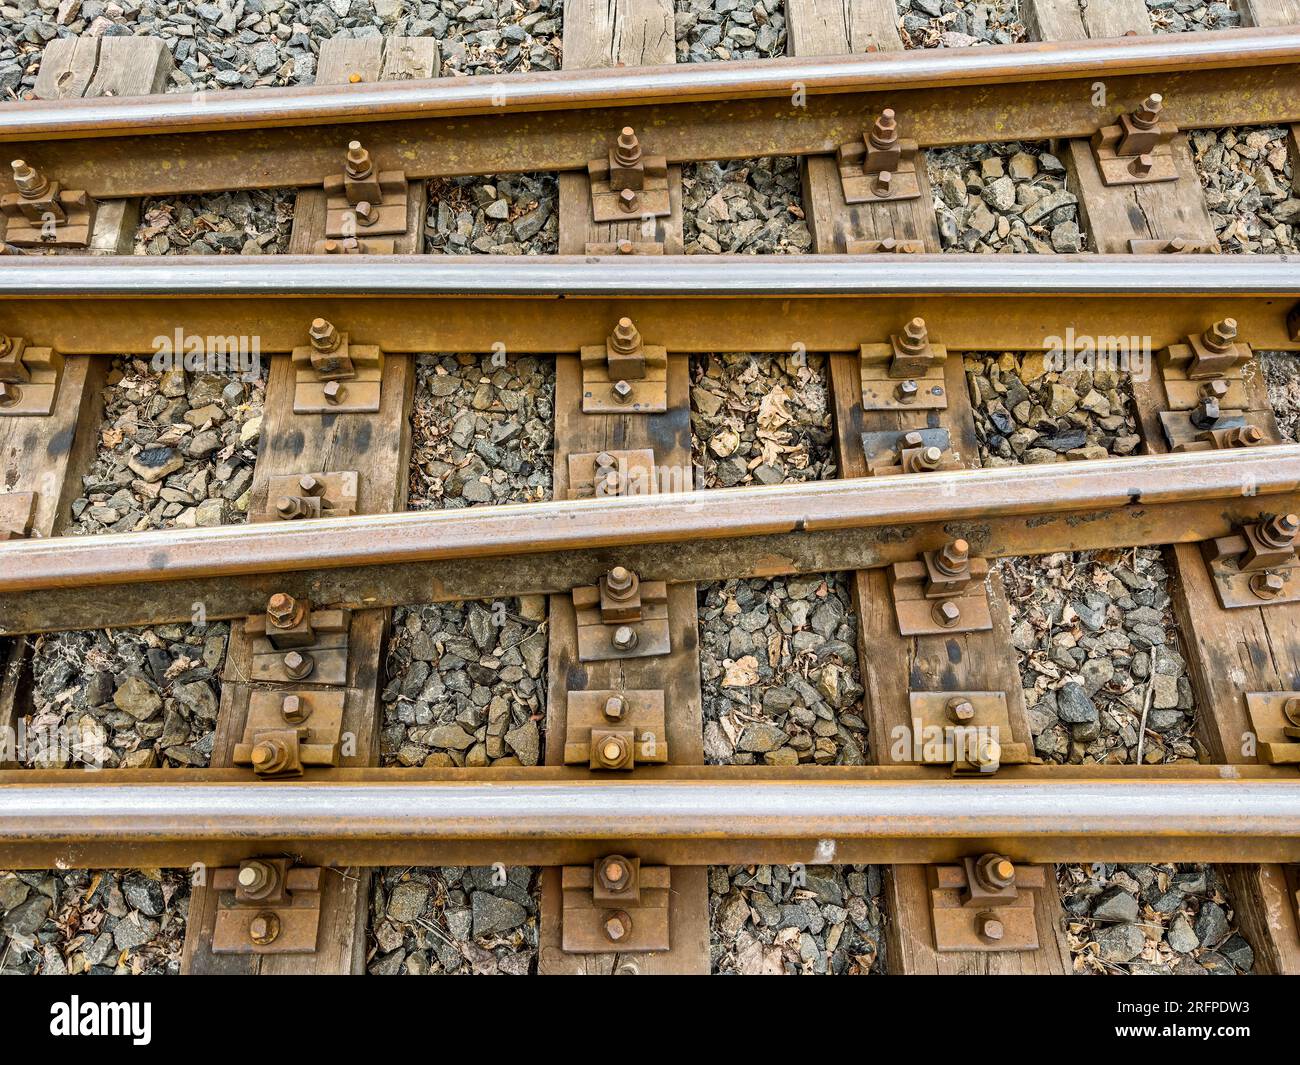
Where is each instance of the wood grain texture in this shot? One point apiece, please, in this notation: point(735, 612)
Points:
point(842, 27)
point(1070, 20)
point(618, 33)
point(378, 447)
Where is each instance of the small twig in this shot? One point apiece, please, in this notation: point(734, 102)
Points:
point(1146, 707)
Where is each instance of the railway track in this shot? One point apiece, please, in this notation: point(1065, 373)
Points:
point(604, 773)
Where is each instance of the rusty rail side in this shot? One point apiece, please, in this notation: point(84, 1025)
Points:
point(677, 815)
point(131, 305)
point(259, 138)
point(387, 559)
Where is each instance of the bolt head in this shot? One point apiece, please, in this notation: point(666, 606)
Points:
point(264, 929)
point(293, 709)
point(10, 393)
point(618, 926)
point(947, 613)
point(1217, 389)
point(625, 638)
point(1224, 332)
point(906, 390)
point(990, 927)
point(298, 665)
point(915, 331)
point(961, 710)
point(615, 707)
point(333, 391)
point(1267, 585)
point(622, 391)
point(323, 335)
point(628, 200)
point(288, 507)
point(913, 439)
point(280, 608)
point(624, 247)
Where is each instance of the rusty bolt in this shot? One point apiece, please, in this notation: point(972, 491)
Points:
point(10, 393)
point(613, 872)
point(1216, 389)
point(309, 485)
point(954, 556)
point(989, 927)
point(884, 131)
point(334, 392)
point(256, 878)
point(289, 507)
point(1291, 708)
point(987, 754)
point(913, 439)
point(333, 247)
point(626, 337)
point(621, 582)
point(1221, 335)
point(615, 706)
point(30, 181)
point(995, 872)
point(906, 391)
point(613, 751)
point(628, 200)
point(324, 337)
point(283, 610)
point(604, 460)
point(269, 755)
point(1146, 116)
point(627, 151)
point(294, 710)
point(884, 182)
point(1244, 436)
point(889, 244)
point(915, 337)
point(365, 213)
point(1142, 165)
point(625, 638)
point(618, 926)
point(622, 391)
point(358, 163)
point(960, 710)
point(929, 458)
point(1205, 413)
point(1280, 530)
point(298, 665)
point(1177, 244)
point(946, 613)
point(264, 929)
point(624, 247)
point(1267, 585)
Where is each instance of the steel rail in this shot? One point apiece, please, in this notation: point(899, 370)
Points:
point(387, 559)
point(131, 305)
point(168, 144)
point(896, 814)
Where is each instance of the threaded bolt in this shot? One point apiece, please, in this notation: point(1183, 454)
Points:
point(615, 706)
point(269, 755)
point(323, 336)
point(1146, 116)
point(1245, 436)
point(627, 151)
point(30, 181)
point(1221, 335)
point(622, 391)
point(1280, 530)
point(884, 182)
point(310, 485)
point(954, 556)
point(995, 872)
point(906, 391)
point(1218, 388)
point(913, 439)
point(628, 200)
point(624, 247)
point(620, 582)
point(625, 638)
point(961, 711)
point(915, 337)
point(334, 392)
point(288, 507)
point(929, 458)
point(626, 338)
point(358, 162)
point(884, 131)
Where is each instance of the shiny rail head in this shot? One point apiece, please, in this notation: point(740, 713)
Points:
point(1120, 276)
